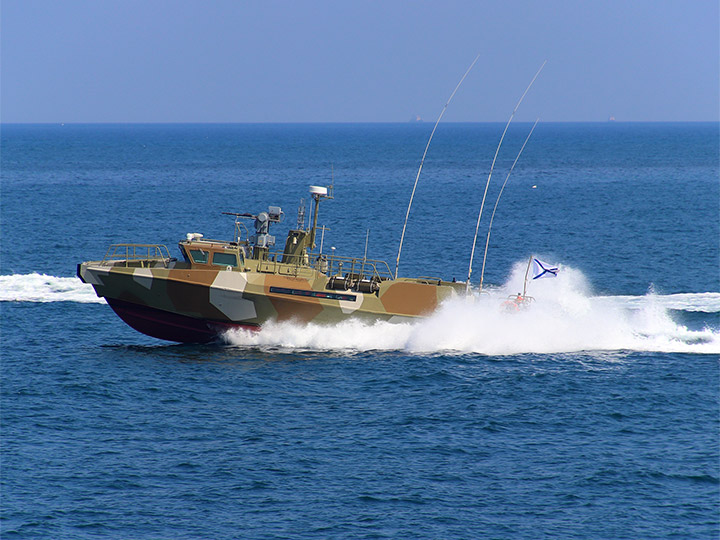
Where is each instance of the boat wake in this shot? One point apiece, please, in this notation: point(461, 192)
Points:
point(43, 288)
point(564, 317)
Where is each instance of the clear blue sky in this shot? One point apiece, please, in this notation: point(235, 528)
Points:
point(357, 61)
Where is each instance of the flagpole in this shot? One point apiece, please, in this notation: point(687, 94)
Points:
point(526, 275)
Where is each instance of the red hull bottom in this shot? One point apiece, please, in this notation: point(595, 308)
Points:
point(171, 326)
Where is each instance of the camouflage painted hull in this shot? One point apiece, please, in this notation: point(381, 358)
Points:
point(187, 302)
point(170, 326)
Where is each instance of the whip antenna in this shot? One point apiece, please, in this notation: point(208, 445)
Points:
point(422, 161)
point(487, 184)
point(492, 216)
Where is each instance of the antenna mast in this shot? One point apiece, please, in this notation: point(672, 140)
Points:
point(487, 184)
point(317, 193)
point(301, 215)
point(492, 216)
point(422, 161)
point(367, 237)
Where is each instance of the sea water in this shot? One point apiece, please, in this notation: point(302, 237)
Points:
point(592, 414)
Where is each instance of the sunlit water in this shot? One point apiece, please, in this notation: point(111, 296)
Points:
point(591, 414)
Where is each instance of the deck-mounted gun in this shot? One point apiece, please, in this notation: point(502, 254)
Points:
point(261, 240)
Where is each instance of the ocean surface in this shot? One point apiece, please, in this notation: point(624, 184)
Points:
point(593, 415)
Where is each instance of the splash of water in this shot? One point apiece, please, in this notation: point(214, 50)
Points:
point(564, 317)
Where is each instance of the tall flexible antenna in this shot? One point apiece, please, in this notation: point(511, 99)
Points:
point(492, 217)
point(422, 161)
point(487, 184)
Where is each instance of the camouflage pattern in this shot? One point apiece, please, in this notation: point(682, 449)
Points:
point(253, 292)
point(220, 285)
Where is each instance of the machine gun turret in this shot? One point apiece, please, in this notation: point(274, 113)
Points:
point(262, 238)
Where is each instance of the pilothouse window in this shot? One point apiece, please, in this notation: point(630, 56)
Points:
point(199, 256)
point(225, 259)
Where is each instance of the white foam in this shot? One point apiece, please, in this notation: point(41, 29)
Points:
point(43, 288)
point(565, 317)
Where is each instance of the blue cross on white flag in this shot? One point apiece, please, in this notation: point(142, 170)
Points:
point(543, 270)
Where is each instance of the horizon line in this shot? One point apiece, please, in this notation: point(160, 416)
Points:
point(56, 123)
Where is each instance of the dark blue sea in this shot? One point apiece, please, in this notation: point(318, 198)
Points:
point(595, 414)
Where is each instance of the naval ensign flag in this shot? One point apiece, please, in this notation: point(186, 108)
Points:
point(543, 270)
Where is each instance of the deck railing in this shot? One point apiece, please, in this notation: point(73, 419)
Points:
point(331, 265)
point(131, 254)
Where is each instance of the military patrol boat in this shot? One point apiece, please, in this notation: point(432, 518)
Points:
point(220, 285)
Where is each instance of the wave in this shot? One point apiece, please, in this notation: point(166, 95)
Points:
point(43, 288)
point(563, 318)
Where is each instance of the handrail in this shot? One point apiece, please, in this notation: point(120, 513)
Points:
point(270, 262)
point(362, 267)
point(137, 252)
point(329, 265)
